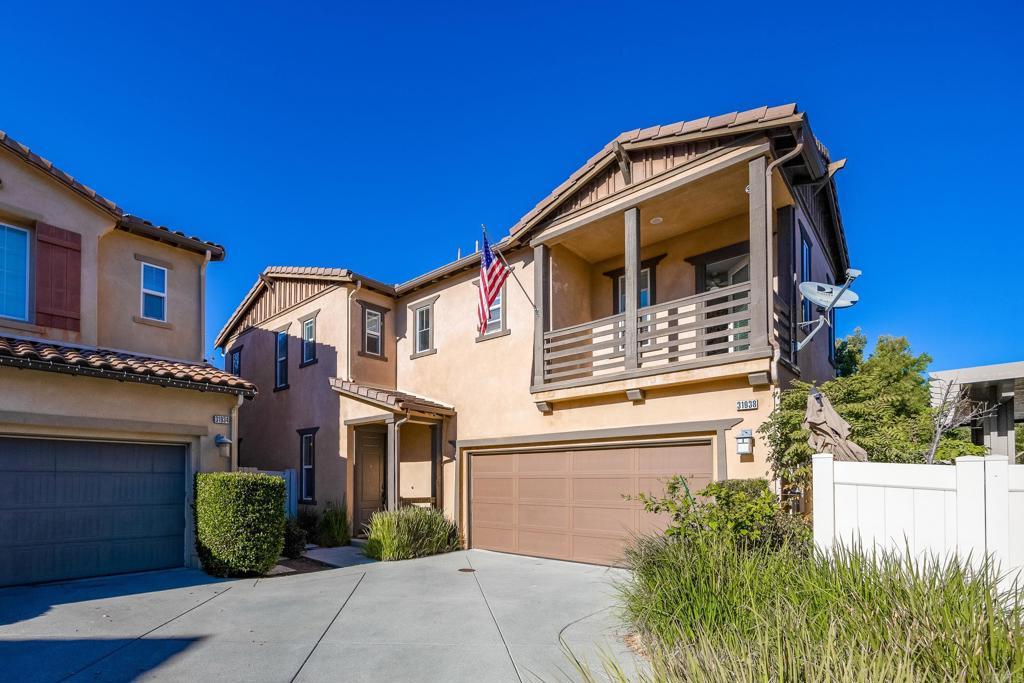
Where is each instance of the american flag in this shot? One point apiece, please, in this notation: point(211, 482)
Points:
point(493, 273)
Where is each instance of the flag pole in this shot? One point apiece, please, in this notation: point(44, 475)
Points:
point(536, 311)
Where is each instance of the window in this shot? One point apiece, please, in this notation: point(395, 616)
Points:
point(235, 362)
point(423, 329)
point(374, 324)
point(494, 315)
point(309, 341)
point(281, 360)
point(831, 330)
point(307, 465)
point(645, 291)
point(154, 292)
point(805, 272)
point(14, 269)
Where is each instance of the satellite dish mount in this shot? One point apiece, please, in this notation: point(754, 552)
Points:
point(827, 298)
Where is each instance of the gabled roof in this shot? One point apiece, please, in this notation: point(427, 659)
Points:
point(391, 399)
point(36, 354)
point(125, 221)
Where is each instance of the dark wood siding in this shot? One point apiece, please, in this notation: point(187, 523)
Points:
point(58, 277)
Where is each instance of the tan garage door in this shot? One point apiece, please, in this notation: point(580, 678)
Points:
point(568, 504)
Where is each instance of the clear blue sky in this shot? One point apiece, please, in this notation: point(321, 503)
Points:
point(335, 133)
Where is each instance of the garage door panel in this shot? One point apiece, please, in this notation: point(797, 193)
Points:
point(542, 462)
point(608, 490)
point(544, 543)
point(582, 515)
point(606, 461)
point(555, 517)
point(102, 508)
point(555, 489)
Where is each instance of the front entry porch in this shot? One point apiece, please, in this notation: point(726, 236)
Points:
point(395, 455)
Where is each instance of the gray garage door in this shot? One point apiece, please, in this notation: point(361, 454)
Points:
point(70, 509)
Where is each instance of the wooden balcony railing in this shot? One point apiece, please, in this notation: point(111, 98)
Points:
point(669, 334)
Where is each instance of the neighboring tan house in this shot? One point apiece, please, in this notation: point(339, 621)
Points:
point(107, 407)
point(665, 272)
point(1000, 389)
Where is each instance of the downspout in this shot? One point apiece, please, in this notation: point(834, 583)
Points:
point(348, 334)
point(202, 306)
point(234, 432)
point(770, 227)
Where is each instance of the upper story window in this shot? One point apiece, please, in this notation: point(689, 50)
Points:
point(805, 272)
point(235, 361)
point(14, 272)
point(154, 292)
point(422, 314)
point(645, 291)
point(281, 360)
point(831, 329)
point(309, 340)
point(494, 314)
point(373, 330)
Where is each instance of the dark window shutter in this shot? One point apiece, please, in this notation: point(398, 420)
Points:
point(58, 269)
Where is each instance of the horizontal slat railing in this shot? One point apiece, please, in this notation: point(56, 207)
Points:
point(671, 333)
point(709, 324)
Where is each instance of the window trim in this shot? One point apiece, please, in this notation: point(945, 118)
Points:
point(236, 352)
point(308, 318)
point(383, 312)
point(311, 433)
point(649, 264)
point(701, 261)
point(278, 385)
point(831, 330)
point(503, 329)
point(414, 312)
point(806, 273)
point(143, 291)
point(28, 275)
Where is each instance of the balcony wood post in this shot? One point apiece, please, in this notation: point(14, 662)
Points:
point(632, 282)
point(542, 297)
point(759, 288)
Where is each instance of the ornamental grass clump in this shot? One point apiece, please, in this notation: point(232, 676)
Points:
point(708, 608)
point(332, 526)
point(240, 522)
point(410, 532)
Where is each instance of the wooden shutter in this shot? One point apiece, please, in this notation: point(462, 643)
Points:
point(58, 268)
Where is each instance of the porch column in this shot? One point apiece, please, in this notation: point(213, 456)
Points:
point(632, 281)
point(542, 296)
point(392, 472)
point(759, 237)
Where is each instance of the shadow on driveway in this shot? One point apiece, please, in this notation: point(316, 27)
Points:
point(40, 659)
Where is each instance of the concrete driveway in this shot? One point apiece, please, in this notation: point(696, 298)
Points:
point(422, 620)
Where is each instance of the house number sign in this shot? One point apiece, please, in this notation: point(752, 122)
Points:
point(221, 419)
point(749, 404)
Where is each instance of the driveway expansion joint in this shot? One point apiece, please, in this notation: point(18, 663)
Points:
point(329, 625)
point(476, 577)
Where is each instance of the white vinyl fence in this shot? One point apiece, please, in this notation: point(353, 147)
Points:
point(291, 496)
point(973, 508)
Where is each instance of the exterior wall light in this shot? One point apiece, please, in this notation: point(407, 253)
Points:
point(223, 445)
point(745, 442)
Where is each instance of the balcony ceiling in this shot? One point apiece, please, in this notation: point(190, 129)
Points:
point(690, 207)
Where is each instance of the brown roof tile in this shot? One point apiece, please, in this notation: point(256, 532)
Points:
point(47, 356)
point(401, 400)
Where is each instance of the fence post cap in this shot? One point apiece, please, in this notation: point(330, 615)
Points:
point(969, 459)
point(995, 458)
point(820, 457)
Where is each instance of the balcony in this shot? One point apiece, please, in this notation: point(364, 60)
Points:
point(684, 275)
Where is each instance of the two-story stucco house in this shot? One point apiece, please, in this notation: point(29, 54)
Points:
point(107, 407)
point(664, 273)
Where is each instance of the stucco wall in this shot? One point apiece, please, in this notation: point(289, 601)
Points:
point(27, 196)
point(414, 472)
point(120, 325)
point(372, 370)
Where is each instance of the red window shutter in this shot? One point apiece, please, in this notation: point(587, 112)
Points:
point(58, 268)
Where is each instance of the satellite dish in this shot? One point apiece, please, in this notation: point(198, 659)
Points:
point(825, 296)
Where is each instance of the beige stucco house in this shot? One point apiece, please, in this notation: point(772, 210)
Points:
point(107, 406)
point(664, 273)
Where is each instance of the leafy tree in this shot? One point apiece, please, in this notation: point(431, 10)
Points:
point(885, 398)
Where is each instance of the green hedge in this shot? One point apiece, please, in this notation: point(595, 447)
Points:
point(410, 532)
point(239, 522)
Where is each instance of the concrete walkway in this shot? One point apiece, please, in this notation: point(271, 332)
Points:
point(424, 620)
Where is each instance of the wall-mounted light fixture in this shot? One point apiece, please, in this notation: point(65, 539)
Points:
point(656, 220)
point(223, 444)
point(745, 442)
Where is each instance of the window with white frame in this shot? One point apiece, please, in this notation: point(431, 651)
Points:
point(424, 329)
point(372, 333)
point(494, 314)
point(805, 273)
point(281, 360)
point(154, 292)
point(14, 272)
point(307, 465)
point(308, 341)
point(235, 362)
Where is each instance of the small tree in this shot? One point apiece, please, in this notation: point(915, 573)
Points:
point(954, 408)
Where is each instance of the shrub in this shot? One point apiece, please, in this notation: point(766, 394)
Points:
point(309, 519)
point(332, 529)
point(294, 539)
point(410, 532)
point(745, 509)
point(239, 522)
point(707, 609)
